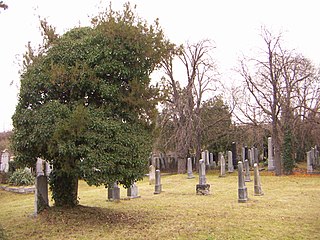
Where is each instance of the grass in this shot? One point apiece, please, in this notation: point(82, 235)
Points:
point(289, 209)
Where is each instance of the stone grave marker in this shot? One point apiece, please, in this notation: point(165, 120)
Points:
point(202, 188)
point(247, 171)
point(242, 189)
point(257, 182)
point(189, 168)
point(132, 191)
point(152, 174)
point(230, 163)
point(222, 166)
point(158, 185)
point(114, 192)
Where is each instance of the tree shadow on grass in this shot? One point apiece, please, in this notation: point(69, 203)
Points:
point(93, 216)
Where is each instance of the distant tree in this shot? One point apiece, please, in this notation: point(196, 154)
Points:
point(277, 88)
point(85, 103)
point(182, 108)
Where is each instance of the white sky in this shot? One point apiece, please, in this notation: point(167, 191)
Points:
point(233, 25)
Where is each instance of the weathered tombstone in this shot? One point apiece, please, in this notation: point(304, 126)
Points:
point(243, 154)
point(309, 162)
point(158, 185)
point(214, 165)
point(41, 194)
point(189, 168)
point(207, 157)
point(230, 163)
point(202, 188)
point(132, 191)
point(152, 176)
point(222, 167)
point(250, 157)
point(114, 192)
point(257, 182)
point(234, 154)
point(242, 189)
point(211, 160)
point(4, 161)
point(271, 166)
point(247, 171)
point(246, 153)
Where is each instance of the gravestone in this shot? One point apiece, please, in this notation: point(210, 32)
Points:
point(202, 188)
point(41, 194)
point(247, 171)
point(222, 166)
point(158, 185)
point(242, 189)
point(246, 153)
point(152, 174)
point(257, 182)
point(189, 168)
point(271, 166)
point(230, 163)
point(309, 162)
point(132, 191)
point(114, 192)
point(211, 160)
point(234, 154)
point(4, 161)
point(243, 154)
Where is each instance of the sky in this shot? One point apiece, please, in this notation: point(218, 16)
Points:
point(233, 25)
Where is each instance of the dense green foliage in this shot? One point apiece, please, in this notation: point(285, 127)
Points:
point(86, 106)
point(288, 160)
point(21, 177)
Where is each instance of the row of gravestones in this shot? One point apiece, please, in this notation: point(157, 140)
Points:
point(313, 160)
point(203, 188)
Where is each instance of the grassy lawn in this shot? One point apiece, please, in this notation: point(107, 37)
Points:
point(290, 209)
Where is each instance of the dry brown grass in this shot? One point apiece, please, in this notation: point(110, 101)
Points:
point(290, 209)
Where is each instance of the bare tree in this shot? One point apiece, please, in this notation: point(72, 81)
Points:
point(275, 87)
point(183, 103)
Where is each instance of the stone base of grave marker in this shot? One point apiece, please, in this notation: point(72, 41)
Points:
point(242, 194)
point(158, 189)
point(114, 193)
point(203, 189)
point(132, 191)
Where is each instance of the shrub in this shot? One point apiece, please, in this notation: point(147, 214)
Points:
point(21, 177)
point(3, 178)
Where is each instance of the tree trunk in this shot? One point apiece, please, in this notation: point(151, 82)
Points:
point(182, 165)
point(64, 187)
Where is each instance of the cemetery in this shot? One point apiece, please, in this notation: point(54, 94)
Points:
point(97, 151)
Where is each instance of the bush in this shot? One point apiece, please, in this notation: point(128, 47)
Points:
point(3, 178)
point(21, 177)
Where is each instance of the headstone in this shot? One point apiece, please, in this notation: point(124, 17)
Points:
point(271, 166)
point(230, 163)
point(4, 161)
point(114, 192)
point(243, 154)
point(207, 157)
point(202, 188)
point(222, 167)
point(189, 168)
point(242, 189)
point(257, 182)
point(250, 157)
point(41, 194)
point(256, 155)
point(247, 171)
point(158, 185)
point(211, 160)
point(234, 154)
point(309, 162)
point(246, 153)
point(132, 191)
point(152, 176)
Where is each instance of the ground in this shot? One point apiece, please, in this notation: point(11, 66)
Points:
point(289, 209)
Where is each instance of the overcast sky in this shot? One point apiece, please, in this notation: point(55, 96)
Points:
point(233, 25)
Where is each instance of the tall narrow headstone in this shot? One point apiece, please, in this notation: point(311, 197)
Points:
point(234, 154)
point(257, 182)
point(250, 157)
point(243, 154)
point(132, 191)
point(230, 163)
point(158, 185)
point(41, 194)
point(222, 167)
point(242, 189)
point(271, 166)
point(189, 168)
point(211, 160)
point(202, 188)
point(247, 171)
point(114, 192)
point(152, 174)
point(246, 153)
point(309, 162)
